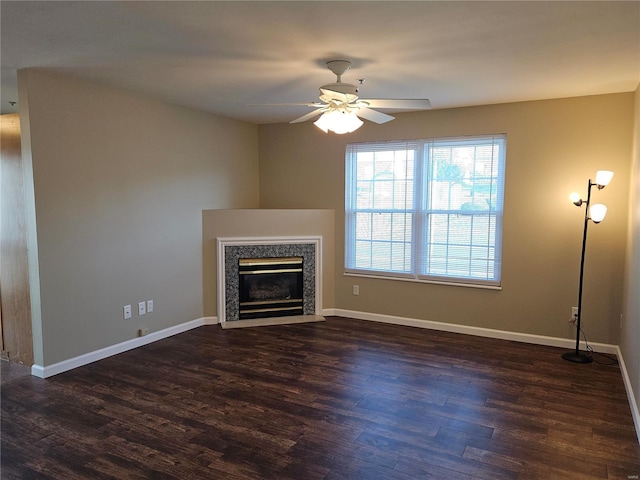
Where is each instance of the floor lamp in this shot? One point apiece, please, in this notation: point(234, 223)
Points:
point(596, 214)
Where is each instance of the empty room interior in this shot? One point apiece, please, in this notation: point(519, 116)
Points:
point(320, 240)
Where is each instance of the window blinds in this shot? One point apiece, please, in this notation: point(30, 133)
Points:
point(426, 209)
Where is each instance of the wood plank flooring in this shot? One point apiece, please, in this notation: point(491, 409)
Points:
point(341, 399)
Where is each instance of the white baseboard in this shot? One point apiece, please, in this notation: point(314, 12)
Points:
point(470, 330)
point(503, 335)
point(210, 320)
point(635, 413)
point(65, 365)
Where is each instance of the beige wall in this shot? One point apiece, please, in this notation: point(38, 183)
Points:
point(553, 148)
point(266, 223)
point(120, 183)
point(630, 338)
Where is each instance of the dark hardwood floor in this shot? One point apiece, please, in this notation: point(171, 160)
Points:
point(342, 399)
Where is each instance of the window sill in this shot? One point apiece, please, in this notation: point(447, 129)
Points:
point(418, 280)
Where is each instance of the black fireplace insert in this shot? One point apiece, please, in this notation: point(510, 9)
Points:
point(270, 287)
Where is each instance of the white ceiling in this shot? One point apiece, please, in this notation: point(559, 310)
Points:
point(222, 57)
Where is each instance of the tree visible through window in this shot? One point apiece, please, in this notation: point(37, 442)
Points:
point(426, 209)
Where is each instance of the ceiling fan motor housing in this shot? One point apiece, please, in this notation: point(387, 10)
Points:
point(341, 93)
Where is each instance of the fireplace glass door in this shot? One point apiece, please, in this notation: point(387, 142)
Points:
point(270, 287)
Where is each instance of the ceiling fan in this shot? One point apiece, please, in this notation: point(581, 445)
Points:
point(341, 107)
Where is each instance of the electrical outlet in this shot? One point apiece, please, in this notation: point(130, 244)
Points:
point(356, 289)
point(574, 315)
point(149, 306)
point(142, 332)
point(142, 308)
point(127, 312)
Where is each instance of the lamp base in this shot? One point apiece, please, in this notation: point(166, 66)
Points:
point(577, 357)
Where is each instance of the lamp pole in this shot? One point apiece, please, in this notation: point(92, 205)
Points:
point(577, 356)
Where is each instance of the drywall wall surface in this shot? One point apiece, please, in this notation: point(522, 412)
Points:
point(553, 148)
point(266, 223)
point(120, 183)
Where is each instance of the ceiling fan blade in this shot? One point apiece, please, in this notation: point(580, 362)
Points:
point(408, 104)
point(308, 116)
point(373, 116)
point(294, 104)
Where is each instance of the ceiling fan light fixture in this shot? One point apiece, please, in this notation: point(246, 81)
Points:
point(340, 101)
point(338, 122)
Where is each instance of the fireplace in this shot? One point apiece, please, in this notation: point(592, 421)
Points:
point(270, 287)
point(262, 280)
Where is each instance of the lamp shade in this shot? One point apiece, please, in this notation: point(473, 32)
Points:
point(603, 177)
point(575, 198)
point(338, 121)
point(597, 212)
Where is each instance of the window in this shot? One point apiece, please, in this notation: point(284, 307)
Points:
point(426, 209)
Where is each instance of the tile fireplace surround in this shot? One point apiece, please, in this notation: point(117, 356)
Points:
point(230, 250)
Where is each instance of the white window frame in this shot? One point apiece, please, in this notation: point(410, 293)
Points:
point(417, 205)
